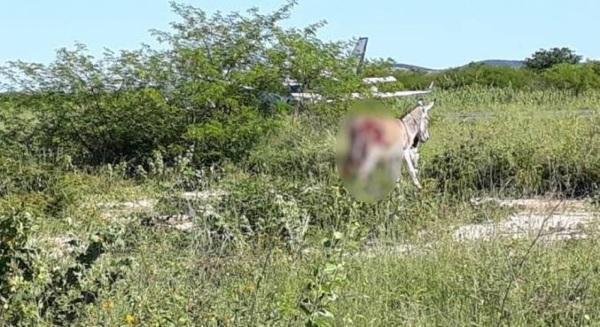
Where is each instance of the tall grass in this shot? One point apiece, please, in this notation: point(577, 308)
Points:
point(287, 245)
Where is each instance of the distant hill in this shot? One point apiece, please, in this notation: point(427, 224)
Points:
point(490, 62)
point(502, 63)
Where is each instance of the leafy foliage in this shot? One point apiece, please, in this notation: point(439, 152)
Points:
point(544, 59)
point(264, 233)
point(481, 74)
point(212, 78)
point(34, 290)
point(577, 78)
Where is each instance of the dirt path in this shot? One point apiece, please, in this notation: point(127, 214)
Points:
point(180, 221)
point(550, 219)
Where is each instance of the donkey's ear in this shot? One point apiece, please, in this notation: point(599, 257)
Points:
point(430, 105)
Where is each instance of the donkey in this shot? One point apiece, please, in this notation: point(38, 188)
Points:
point(373, 139)
point(417, 141)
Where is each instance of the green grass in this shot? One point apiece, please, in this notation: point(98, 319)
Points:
point(250, 261)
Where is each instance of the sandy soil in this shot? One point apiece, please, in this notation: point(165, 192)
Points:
point(182, 222)
point(550, 219)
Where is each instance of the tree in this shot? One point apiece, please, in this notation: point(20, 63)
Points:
point(544, 59)
point(202, 90)
point(378, 67)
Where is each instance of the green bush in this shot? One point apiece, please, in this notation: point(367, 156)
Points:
point(485, 75)
point(24, 177)
point(576, 78)
point(296, 151)
point(34, 290)
point(518, 153)
point(229, 138)
point(124, 107)
point(560, 76)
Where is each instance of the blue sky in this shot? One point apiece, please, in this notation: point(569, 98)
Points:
point(432, 33)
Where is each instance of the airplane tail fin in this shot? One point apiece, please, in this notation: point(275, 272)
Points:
point(359, 51)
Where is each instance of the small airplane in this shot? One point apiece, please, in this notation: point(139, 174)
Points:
point(295, 88)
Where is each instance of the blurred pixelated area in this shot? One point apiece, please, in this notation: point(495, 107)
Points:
point(350, 154)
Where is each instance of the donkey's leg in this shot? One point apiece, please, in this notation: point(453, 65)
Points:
point(411, 169)
point(414, 156)
point(398, 156)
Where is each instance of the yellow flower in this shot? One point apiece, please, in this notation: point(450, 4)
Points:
point(249, 287)
point(129, 319)
point(108, 304)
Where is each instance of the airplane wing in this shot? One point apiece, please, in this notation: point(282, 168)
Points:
point(403, 93)
point(399, 94)
point(377, 80)
point(314, 97)
point(307, 96)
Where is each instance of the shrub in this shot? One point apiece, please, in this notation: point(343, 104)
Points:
point(228, 138)
point(293, 152)
point(207, 88)
point(23, 176)
point(485, 75)
point(576, 78)
point(34, 290)
point(544, 59)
